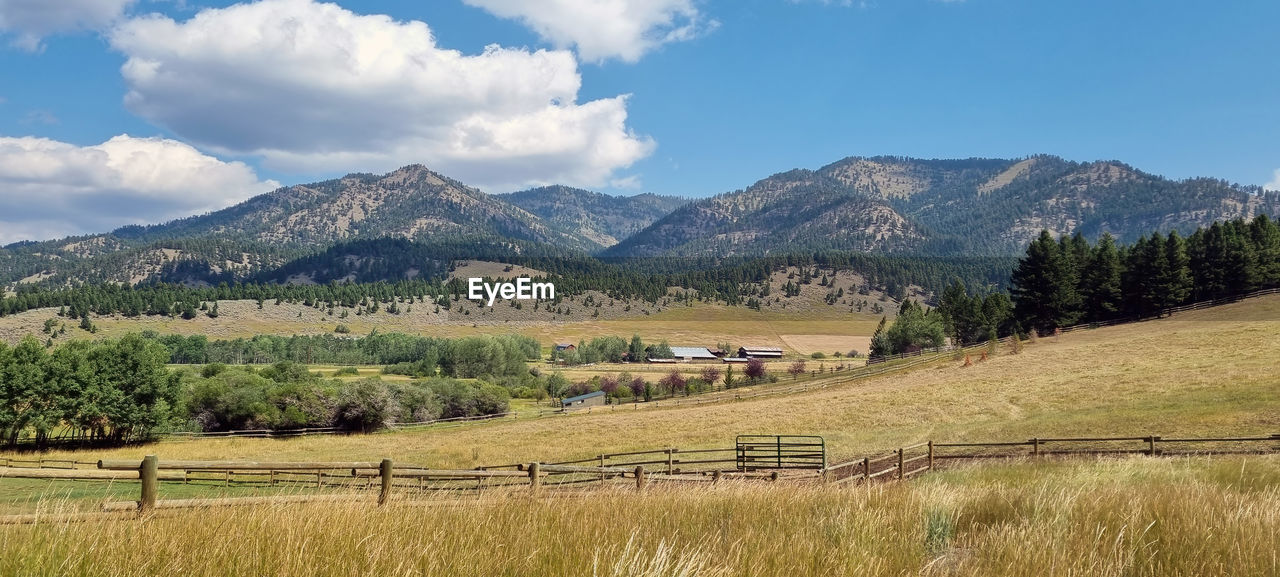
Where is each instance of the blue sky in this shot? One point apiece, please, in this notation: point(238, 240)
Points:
point(679, 97)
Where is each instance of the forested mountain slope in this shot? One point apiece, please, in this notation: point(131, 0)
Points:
point(602, 218)
point(943, 207)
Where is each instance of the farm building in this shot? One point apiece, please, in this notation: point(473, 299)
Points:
point(760, 352)
point(735, 359)
point(688, 354)
point(583, 401)
point(565, 347)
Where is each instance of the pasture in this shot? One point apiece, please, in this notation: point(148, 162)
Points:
point(1135, 516)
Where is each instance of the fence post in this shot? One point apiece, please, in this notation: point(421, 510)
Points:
point(1035, 447)
point(866, 469)
point(639, 477)
point(900, 463)
point(930, 455)
point(669, 461)
point(715, 478)
point(1151, 442)
point(534, 480)
point(148, 474)
point(385, 471)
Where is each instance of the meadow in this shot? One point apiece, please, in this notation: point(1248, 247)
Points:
point(1130, 517)
point(1188, 374)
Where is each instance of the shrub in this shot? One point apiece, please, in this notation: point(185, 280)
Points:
point(674, 382)
point(365, 405)
point(818, 355)
point(342, 329)
point(347, 372)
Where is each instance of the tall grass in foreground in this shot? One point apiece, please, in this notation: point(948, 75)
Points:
point(1134, 516)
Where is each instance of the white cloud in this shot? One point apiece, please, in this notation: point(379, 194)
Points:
point(1275, 183)
point(604, 29)
point(52, 189)
point(313, 87)
point(30, 21)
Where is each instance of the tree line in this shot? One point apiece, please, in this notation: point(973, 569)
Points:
point(1070, 280)
point(463, 357)
point(112, 391)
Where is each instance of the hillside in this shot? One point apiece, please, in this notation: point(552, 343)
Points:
point(268, 230)
point(974, 206)
point(337, 229)
point(800, 210)
point(604, 219)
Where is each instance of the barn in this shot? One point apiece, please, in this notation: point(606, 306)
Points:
point(690, 354)
point(760, 353)
point(583, 401)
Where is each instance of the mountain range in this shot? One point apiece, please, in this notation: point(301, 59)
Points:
point(895, 205)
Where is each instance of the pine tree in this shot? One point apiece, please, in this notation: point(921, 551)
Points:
point(1177, 278)
point(1044, 286)
point(879, 340)
point(1101, 281)
point(1241, 260)
point(1153, 284)
point(1265, 235)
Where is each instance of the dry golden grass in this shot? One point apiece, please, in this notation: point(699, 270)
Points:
point(1129, 517)
point(827, 344)
point(1191, 374)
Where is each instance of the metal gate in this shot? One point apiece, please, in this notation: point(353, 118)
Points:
point(756, 452)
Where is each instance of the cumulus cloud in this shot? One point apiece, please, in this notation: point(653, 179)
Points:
point(1275, 183)
point(315, 87)
point(30, 21)
point(604, 29)
point(52, 189)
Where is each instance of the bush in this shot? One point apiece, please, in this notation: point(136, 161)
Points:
point(817, 356)
point(342, 329)
point(492, 400)
point(347, 372)
point(365, 405)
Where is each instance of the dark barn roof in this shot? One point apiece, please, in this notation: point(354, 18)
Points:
point(572, 400)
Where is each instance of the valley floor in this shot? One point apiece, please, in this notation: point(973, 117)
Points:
point(1207, 372)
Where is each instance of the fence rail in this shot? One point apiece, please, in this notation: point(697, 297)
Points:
point(668, 465)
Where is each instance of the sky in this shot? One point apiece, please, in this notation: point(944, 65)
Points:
point(117, 112)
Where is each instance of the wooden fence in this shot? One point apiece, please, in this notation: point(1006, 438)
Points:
point(638, 469)
point(915, 459)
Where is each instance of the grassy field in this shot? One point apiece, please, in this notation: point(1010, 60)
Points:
point(1188, 374)
point(1199, 373)
point(1126, 517)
